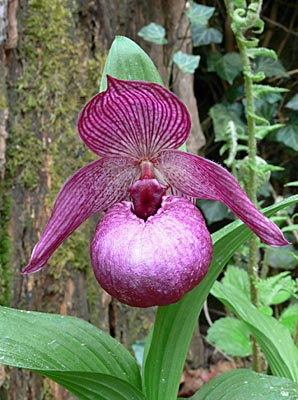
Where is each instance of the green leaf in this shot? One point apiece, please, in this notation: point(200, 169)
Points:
point(270, 67)
point(256, 77)
point(231, 336)
point(293, 103)
point(213, 211)
point(266, 310)
point(244, 384)
point(292, 184)
point(95, 386)
point(273, 338)
point(202, 35)
point(238, 278)
point(126, 60)
point(263, 130)
point(276, 289)
point(289, 318)
point(48, 342)
point(199, 14)
point(259, 90)
point(266, 110)
point(174, 324)
point(290, 228)
point(227, 67)
point(261, 51)
point(288, 135)
point(153, 33)
point(283, 257)
point(186, 62)
point(222, 114)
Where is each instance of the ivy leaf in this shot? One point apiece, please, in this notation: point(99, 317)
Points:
point(199, 14)
point(213, 211)
point(202, 35)
point(288, 135)
point(270, 67)
point(231, 336)
point(222, 114)
point(185, 62)
point(227, 67)
point(293, 103)
point(283, 257)
point(266, 110)
point(153, 33)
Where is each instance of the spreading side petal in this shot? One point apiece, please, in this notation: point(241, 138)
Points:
point(135, 119)
point(198, 177)
point(92, 189)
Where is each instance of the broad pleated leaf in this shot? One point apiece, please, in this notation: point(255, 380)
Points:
point(243, 384)
point(174, 324)
point(47, 343)
point(94, 386)
point(274, 339)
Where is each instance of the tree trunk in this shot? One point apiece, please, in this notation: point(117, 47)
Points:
point(51, 58)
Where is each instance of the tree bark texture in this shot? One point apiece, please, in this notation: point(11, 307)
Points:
point(51, 57)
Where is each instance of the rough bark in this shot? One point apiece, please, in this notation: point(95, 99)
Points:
point(42, 90)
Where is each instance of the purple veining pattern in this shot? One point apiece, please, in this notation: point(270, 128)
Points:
point(152, 246)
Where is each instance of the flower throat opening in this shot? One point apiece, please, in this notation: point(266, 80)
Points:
point(146, 193)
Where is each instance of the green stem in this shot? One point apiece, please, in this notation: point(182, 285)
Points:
point(265, 264)
point(251, 185)
point(240, 26)
point(295, 336)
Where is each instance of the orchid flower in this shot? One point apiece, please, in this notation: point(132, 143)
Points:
point(152, 245)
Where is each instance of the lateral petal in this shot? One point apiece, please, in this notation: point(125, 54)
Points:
point(92, 189)
point(133, 118)
point(201, 178)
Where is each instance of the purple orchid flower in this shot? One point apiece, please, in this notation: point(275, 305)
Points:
point(152, 249)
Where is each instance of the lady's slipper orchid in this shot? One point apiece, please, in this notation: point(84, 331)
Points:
point(152, 245)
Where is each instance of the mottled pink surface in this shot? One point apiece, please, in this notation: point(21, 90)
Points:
point(154, 262)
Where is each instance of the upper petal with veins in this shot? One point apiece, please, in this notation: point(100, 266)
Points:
point(135, 119)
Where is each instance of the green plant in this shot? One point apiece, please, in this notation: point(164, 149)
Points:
point(101, 368)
